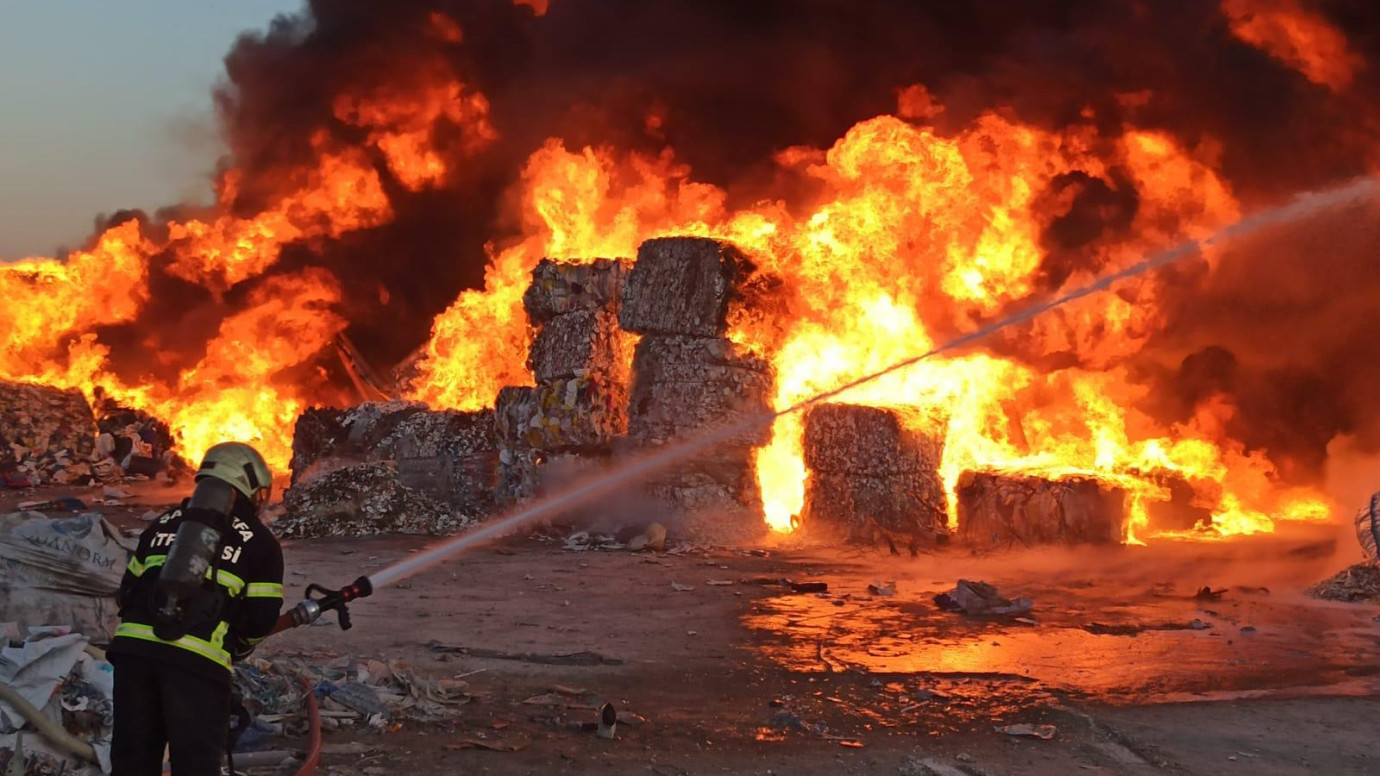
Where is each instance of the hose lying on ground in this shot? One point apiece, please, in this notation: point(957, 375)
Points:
point(48, 728)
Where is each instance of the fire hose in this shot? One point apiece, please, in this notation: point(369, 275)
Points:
point(320, 600)
point(47, 727)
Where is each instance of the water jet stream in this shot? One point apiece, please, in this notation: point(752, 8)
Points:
point(1302, 206)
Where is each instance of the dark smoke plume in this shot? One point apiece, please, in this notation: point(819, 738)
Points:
point(737, 80)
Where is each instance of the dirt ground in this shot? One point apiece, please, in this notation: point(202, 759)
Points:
point(1135, 671)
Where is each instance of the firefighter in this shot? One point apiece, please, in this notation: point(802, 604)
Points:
point(204, 586)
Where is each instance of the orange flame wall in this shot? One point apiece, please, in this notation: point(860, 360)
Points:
point(914, 237)
point(891, 235)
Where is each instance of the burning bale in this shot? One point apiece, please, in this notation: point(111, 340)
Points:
point(874, 472)
point(683, 285)
point(579, 358)
point(688, 379)
point(1003, 508)
point(364, 500)
point(568, 415)
point(580, 344)
point(49, 435)
point(561, 287)
point(684, 385)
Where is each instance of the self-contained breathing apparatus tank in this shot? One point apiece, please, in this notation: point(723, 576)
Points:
point(190, 594)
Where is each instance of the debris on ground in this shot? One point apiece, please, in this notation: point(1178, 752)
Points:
point(979, 599)
point(57, 673)
point(929, 766)
point(580, 541)
point(560, 659)
point(1042, 732)
point(368, 692)
point(1206, 593)
point(654, 539)
point(882, 588)
point(1354, 584)
point(1132, 629)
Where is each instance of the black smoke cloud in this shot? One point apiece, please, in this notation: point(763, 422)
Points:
point(737, 80)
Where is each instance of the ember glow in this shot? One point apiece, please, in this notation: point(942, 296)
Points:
point(941, 207)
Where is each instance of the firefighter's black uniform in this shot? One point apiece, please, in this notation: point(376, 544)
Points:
point(178, 693)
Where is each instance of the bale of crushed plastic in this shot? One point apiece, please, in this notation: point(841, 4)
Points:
point(907, 504)
point(47, 435)
point(326, 439)
point(581, 343)
point(687, 385)
point(519, 476)
point(1368, 529)
point(683, 285)
point(578, 413)
point(998, 508)
point(526, 474)
point(872, 441)
point(563, 287)
point(363, 500)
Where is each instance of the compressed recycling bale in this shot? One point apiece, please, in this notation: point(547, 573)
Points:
point(1368, 529)
point(526, 474)
point(45, 432)
point(578, 413)
point(328, 439)
point(683, 285)
point(563, 287)
point(581, 343)
point(872, 441)
point(687, 385)
point(1003, 508)
point(363, 500)
point(911, 504)
point(518, 476)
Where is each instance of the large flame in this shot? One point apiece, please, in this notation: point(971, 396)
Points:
point(249, 384)
point(893, 239)
point(1296, 36)
point(913, 236)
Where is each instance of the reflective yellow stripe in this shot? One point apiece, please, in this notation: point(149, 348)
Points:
point(228, 580)
point(212, 650)
point(231, 582)
point(137, 569)
point(264, 590)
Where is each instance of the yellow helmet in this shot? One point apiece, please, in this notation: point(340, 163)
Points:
point(241, 467)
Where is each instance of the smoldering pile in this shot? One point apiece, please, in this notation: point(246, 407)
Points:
point(49, 436)
point(53, 437)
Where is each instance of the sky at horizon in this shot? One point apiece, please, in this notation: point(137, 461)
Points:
point(106, 106)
